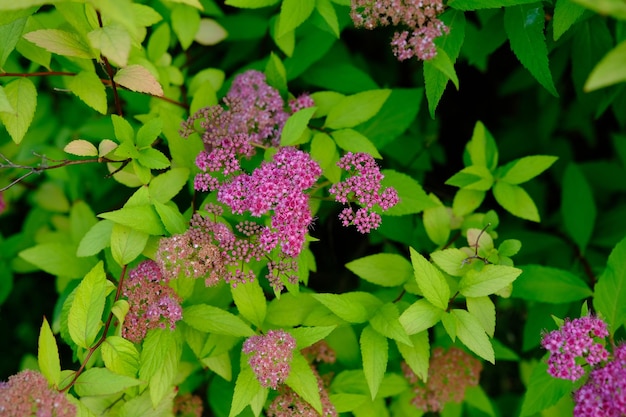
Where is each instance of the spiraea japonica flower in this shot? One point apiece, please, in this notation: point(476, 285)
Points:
point(419, 17)
point(188, 405)
point(450, 373)
point(270, 356)
point(288, 403)
point(152, 304)
point(27, 394)
point(576, 340)
point(363, 186)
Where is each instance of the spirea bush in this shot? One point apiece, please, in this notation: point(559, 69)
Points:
point(312, 208)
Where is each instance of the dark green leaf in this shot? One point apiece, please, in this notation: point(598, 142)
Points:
point(543, 390)
point(577, 206)
point(549, 285)
point(610, 291)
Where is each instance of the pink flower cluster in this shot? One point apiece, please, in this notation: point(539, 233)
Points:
point(576, 339)
point(288, 403)
point(419, 16)
point(152, 303)
point(27, 394)
point(363, 186)
point(271, 356)
point(188, 405)
point(449, 374)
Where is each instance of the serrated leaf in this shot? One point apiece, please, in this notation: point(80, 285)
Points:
point(515, 200)
point(374, 352)
point(609, 71)
point(149, 132)
point(159, 361)
point(212, 319)
point(113, 41)
point(81, 147)
point(48, 355)
point(127, 244)
point(101, 381)
point(153, 159)
point(524, 25)
point(246, 388)
point(185, 23)
point(352, 141)
point(485, 312)
point(61, 42)
point(430, 281)
point(543, 390)
point(250, 301)
point(451, 261)
point(566, 13)
point(489, 280)
point(420, 316)
point(354, 307)
point(5, 105)
point(417, 356)
point(473, 177)
point(610, 290)
point(526, 168)
point(386, 322)
point(166, 186)
point(142, 218)
point(85, 316)
point(549, 285)
point(10, 33)
point(22, 97)
point(353, 110)
point(303, 381)
point(123, 130)
point(578, 208)
point(295, 126)
point(328, 13)
point(307, 336)
point(120, 356)
point(137, 78)
point(385, 269)
point(472, 334)
point(292, 14)
point(58, 258)
point(96, 239)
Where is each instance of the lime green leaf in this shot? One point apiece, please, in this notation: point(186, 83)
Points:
point(194, 3)
point(137, 78)
point(489, 280)
point(323, 150)
point(123, 130)
point(451, 260)
point(374, 352)
point(10, 33)
point(613, 8)
point(210, 32)
point(292, 14)
point(430, 280)
point(353, 110)
point(485, 4)
point(166, 186)
point(466, 201)
point(386, 322)
point(149, 133)
point(442, 62)
point(509, 247)
point(211, 319)
point(577, 206)
point(417, 356)
point(57, 258)
point(22, 97)
point(5, 105)
point(435, 83)
point(566, 13)
point(48, 355)
point(250, 301)
point(328, 13)
point(120, 356)
point(437, 224)
point(352, 141)
point(170, 216)
point(153, 158)
point(526, 168)
point(96, 239)
point(324, 101)
point(471, 333)
point(485, 312)
point(385, 269)
point(185, 23)
point(246, 388)
point(159, 362)
point(101, 381)
point(353, 307)
point(295, 126)
point(85, 318)
point(88, 87)
point(276, 75)
point(127, 244)
point(158, 44)
point(306, 336)
point(141, 218)
point(524, 25)
point(81, 147)
point(610, 290)
point(413, 199)
point(420, 316)
point(515, 200)
point(473, 177)
point(251, 4)
point(482, 148)
point(145, 15)
point(543, 390)
point(61, 42)
point(609, 71)
point(303, 381)
point(549, 285)
point(113, 41)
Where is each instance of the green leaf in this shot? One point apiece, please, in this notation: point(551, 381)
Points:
point(430, 281)
point(303, 381)
point(437, 224)
point(123, 130)
point(466, 201)
point(185, 23)
point(276, 75)
point(385, 269)
point(85, 318)
point(58, 258)
point(352, 141)
point(374, 352)
point(417, 356)
point(543, 390)
point(250, 301)
point(328, 13)
point(609, 71)
point(473, 177)
point(10, 33)
point(549, 285)
point(470, 331)
point(613, 8)
point(22, 97)
point(246, 388)
point(442, 62)
point(61, 42)
point(159, 362)
point(482, 148)
point(120, 356)
point(251, 4)
point(451, 261)
point(353, 307)
point(509, 247)
point(386, 322)
point(166, 186)
point(153, 159)
point(149, 133)
point(5, 105)
point(566, 13)
point(159, 43)
point(353, 110)
point(113, 41)
point(489, 280)
point(292, 14)
point(172, 219)
point(526, 168)
point(212, 319)
point(137, 78)
point(88, 87)
point(127, 244)
point(515, 200)
point(610, 291)
point(96, 239)
point(524, 25)
point(101, 381)
point(142, 218)
point(48, 355)
point(295, 126)
point(420, 316)
point(577, 206)
point(485, 4)
point(435, 83)
point(306, 336)
point(485, 312)
point(413, 199)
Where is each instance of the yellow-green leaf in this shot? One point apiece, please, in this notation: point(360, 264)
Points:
point(22, 97)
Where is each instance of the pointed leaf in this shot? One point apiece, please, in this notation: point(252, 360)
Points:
point(22, 97)
point(385, 269)
point(292, 14)
point(85, 317)
point(295, 126)
point(418, 355)
point(472, 334)
point(549, 285)
point(386, 322)
point(138, 78)
point(142, 218)
point(430, 281)
point(81, 147)
point(489, 280)
point(250, 301)
point(413, 198)
point(610, 291)
point(246, 388)
point(159, 361)
point(566, 13)
point(610, 70)
point(120, 356)
point(101, 381)
point(48, 355)
point(485, 312)
point(352, 141)
point(515, 200)
point(61, 42)
point(303, 381)
point(543, 390)
point(353, 307)
point(420, 316)
point(353, 110)
point(113, 41)
point(127, 244)
point(526, 168)
point(211, 319)
point(374, 352)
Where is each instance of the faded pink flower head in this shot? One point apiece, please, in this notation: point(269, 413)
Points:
point(288, 403)
point(578, 338)
point(27, 394)
point(450, 373)
point(188, 405)
point(271, 356)
point(152, 304)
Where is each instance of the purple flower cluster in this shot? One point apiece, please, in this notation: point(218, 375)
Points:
point(27, 394)
point(271, 356)
point(576, 339)
point(152, 303)
point(363, 186)
point(419, 16)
